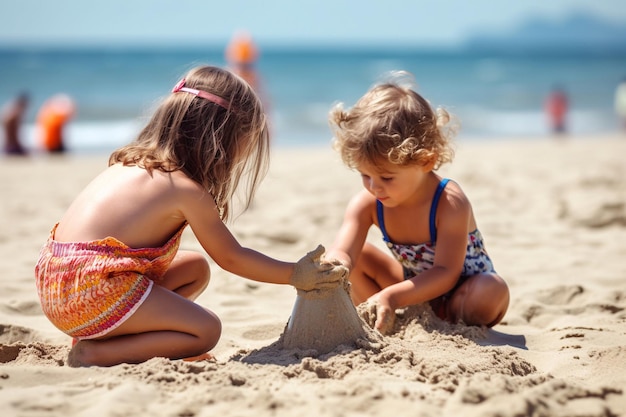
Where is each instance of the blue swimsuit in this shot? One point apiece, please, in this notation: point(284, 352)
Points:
point(418, 258)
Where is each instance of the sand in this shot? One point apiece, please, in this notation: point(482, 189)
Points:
point(552, 211)
point(324, 319)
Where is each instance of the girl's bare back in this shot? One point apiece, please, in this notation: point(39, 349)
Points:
point(138, 208)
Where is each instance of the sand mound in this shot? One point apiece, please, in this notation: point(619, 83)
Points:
point(323, 319)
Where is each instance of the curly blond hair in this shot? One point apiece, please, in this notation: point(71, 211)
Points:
point(392, 123)
point(215, 146)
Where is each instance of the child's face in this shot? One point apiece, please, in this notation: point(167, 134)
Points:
point(391, 184)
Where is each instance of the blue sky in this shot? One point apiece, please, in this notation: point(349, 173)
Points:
point(293, 22)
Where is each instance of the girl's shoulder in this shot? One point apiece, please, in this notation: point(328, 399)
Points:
point(362, 206)
point(363, 199)
point(454, 199)
point(180, 185)
point(454, 190)
point(141, 178)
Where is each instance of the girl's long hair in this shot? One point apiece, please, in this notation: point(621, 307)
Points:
point(215, 146)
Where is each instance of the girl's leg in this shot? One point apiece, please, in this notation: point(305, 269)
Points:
point(482, 300)
point(165, 325)
point(188, 274)
point(373, 271)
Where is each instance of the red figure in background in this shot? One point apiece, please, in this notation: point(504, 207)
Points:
point(556, 107)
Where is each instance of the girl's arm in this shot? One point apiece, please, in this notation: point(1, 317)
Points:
point(201, 212)
point(353, 231)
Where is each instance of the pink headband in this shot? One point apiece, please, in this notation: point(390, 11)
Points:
point(180, 86)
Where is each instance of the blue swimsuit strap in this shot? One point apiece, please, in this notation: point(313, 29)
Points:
point(433, 209)
point(381, 220)
point(433, 213)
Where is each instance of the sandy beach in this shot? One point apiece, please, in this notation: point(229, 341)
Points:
point(553, 214)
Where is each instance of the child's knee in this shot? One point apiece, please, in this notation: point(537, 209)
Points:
point(200, 271)
point(498, 293)
point(483, 301)
point(204, 271)
point(210, 332)
point(201, 267)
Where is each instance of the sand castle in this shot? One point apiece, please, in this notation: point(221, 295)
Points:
point(323, 319)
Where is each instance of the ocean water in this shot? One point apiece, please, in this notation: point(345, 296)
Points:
point(493, 95)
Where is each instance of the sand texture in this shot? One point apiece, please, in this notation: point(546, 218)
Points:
point(553, 214)
point(324, 319)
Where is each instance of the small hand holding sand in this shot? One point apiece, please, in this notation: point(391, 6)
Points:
point(385, 319)
point(378, 315)
point(312, 273)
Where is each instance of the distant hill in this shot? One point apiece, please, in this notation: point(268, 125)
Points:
point(578, 32)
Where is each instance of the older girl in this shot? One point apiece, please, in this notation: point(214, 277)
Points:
point(111, 275)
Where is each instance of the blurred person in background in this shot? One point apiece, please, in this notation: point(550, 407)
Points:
point(620, 102)
point(556, 107)
point(51, 120)
point(12, 117)
point(242, 56)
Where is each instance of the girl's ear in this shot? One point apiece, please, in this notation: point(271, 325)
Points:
point(430, 164)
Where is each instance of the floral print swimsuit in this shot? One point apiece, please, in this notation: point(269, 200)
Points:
point(420, 257)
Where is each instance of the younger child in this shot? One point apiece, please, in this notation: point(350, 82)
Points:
point(111, 275)
point(395, 140)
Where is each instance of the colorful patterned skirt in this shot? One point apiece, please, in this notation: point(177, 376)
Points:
point(87, 289)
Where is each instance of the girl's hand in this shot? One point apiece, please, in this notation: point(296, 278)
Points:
point(380, 313)
point(385, 319)
point(311, 273)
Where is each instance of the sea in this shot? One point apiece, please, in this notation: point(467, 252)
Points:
point(494, 95)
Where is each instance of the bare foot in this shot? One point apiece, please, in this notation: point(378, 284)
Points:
point(203, 357)
point(73, 360)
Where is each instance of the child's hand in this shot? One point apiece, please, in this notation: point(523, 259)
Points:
point(375, 310)
point(311, 273)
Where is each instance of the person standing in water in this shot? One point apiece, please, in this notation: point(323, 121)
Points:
point(242, 56)
point(12, 118)
point(620, 103)
point(51, 120)
point(556, 108)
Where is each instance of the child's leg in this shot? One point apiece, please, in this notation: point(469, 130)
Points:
point(373, 271)
point(482, 300)
point(187, 275)
point(165, 325)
